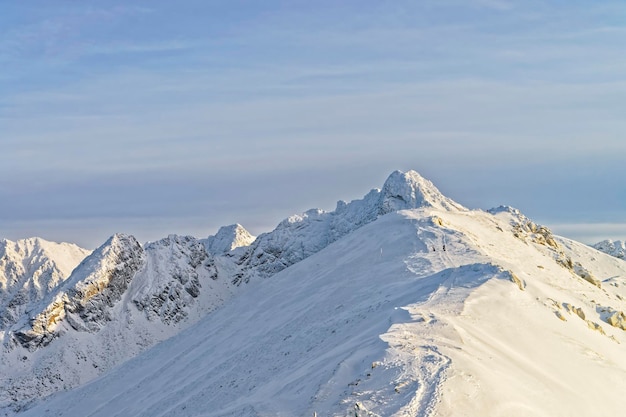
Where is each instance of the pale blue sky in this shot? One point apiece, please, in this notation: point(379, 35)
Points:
point(156, 117)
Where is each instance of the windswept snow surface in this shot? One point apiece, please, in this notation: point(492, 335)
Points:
point(508, 320)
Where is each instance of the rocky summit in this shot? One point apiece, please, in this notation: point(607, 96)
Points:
point(402, 303)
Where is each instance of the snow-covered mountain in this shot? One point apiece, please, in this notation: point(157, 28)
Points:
point(300, 236)
point(118, 301)
point(29, 270)
point(125, 297)
point(228, 238)
point(403, 303)
point(615, 248)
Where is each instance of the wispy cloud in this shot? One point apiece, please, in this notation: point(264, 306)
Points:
point(492, 100)
point(125, 47)
point(591, 233)
point(211, 108)
point(64, 33)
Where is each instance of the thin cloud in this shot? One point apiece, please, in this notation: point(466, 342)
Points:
point(62, 34)
point(591, 233)
point(124, 47)
point(492, 107)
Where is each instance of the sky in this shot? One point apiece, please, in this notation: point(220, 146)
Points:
point(158, 117)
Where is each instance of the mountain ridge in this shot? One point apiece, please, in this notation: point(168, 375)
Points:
point(380, 324)
point(300, 236)
point(165, 286)
point(29, 270)
point(615, 248)
point(327, 294)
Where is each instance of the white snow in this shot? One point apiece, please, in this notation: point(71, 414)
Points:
point(42, 263)
point(378, 323)
point(615, 248)
point(29, 270)
point(92, 321)
point(401, 304)
point(228, 238)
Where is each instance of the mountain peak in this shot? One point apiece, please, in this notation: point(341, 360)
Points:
point(84, 299)
point(121, 239)
point(405, 294)
point(398, 317)
point(615, 248)
point(29, 270)
point(300, 236)
point(228, 238)
point(408, 190)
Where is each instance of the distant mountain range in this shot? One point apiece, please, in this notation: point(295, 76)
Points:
point(403, 303)
point(614, 248)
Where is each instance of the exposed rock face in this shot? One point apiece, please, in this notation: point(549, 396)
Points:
point(584, 273)
point(617, 319)
point(614, 248)
point(172, 278)
point(300, 236)
point(408, 190)
point(125, 298)
point(120, 300)
point(228, 238)
point(575, 310)
point(166, 277)
point(525, 229)
point(595, 326)
point(84, 300)
point(29, 270)
point(528, 231)
point(517, 281)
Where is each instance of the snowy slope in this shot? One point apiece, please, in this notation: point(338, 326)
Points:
point(123, 293)
point(29, 270)
point(614, 248)
point(379, 320)
point(120, 300)
point(300, 236)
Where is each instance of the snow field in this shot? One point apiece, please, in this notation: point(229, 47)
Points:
point(506, 321)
